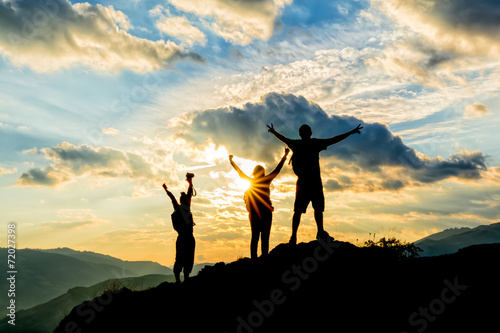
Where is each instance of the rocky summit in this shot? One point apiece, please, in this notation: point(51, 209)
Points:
point(316, 286)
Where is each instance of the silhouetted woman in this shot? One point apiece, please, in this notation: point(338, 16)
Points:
point(260, 209)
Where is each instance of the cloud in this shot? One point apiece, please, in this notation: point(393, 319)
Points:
point(242, 130)
point(461, 27)
point(332, 185)
point(53, 34)
point(237, 21)
point(179, 27)
point(5, 171)
point(110, 131)
point(476, 110)
point(465, 165)
point(66, 225)
point(439, 42)
point(331, 75)
point(415, 61)
point(363, 14)
point(393, 184)
point(45, 177)
point(69, 161)
point(72, 219)
point(361, 82)
point(225, 235)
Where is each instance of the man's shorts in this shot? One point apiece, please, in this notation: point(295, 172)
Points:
point(308, 190)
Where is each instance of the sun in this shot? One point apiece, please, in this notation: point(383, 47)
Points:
point(238, 183)
point(247, 166)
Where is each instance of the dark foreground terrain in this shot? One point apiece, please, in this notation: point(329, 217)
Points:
point(316, 286)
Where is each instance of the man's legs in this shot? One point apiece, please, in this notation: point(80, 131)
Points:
point(309, 191)
point(318, 217)
point(177, 274)
point(302, 200)
point(295, 226)
point(318, 203)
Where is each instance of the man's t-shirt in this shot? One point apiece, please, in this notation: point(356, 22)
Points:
point(305, 159)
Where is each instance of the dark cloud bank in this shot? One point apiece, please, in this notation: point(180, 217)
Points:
point(482, 16)
point(243, 131)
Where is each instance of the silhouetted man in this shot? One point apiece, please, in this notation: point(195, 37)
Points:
point(182, 221)
point(305, 164)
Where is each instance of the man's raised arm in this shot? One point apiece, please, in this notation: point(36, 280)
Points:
point(278, 135)
point(340, 137)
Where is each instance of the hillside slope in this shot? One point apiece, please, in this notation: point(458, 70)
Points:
point(44, 275)
point(451, 240)
point(445, 233)
point(310, 287)
point(44, 318)
point(138, 268)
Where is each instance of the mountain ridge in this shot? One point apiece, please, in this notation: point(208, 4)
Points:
point(53, 293)
point(312, 286)
point(138, 267)
point(444, 233)
point(46, 275)
point(451, 240)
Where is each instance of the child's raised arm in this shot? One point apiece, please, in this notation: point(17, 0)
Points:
point(171, 196)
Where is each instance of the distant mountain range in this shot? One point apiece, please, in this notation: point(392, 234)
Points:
point(451, 240)
point(45, 274)
point(137, 268)
point(50, 282)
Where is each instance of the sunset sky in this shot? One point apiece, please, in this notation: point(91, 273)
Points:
point(102, 102)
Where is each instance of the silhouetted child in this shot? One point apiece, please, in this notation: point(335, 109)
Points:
point(258, 203)
point(182, 221)
point(305, 164)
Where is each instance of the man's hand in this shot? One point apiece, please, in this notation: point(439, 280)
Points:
point(357, 129)
point(164, 186)
point(287, 150)
point(271, 128)
point(230, 158)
